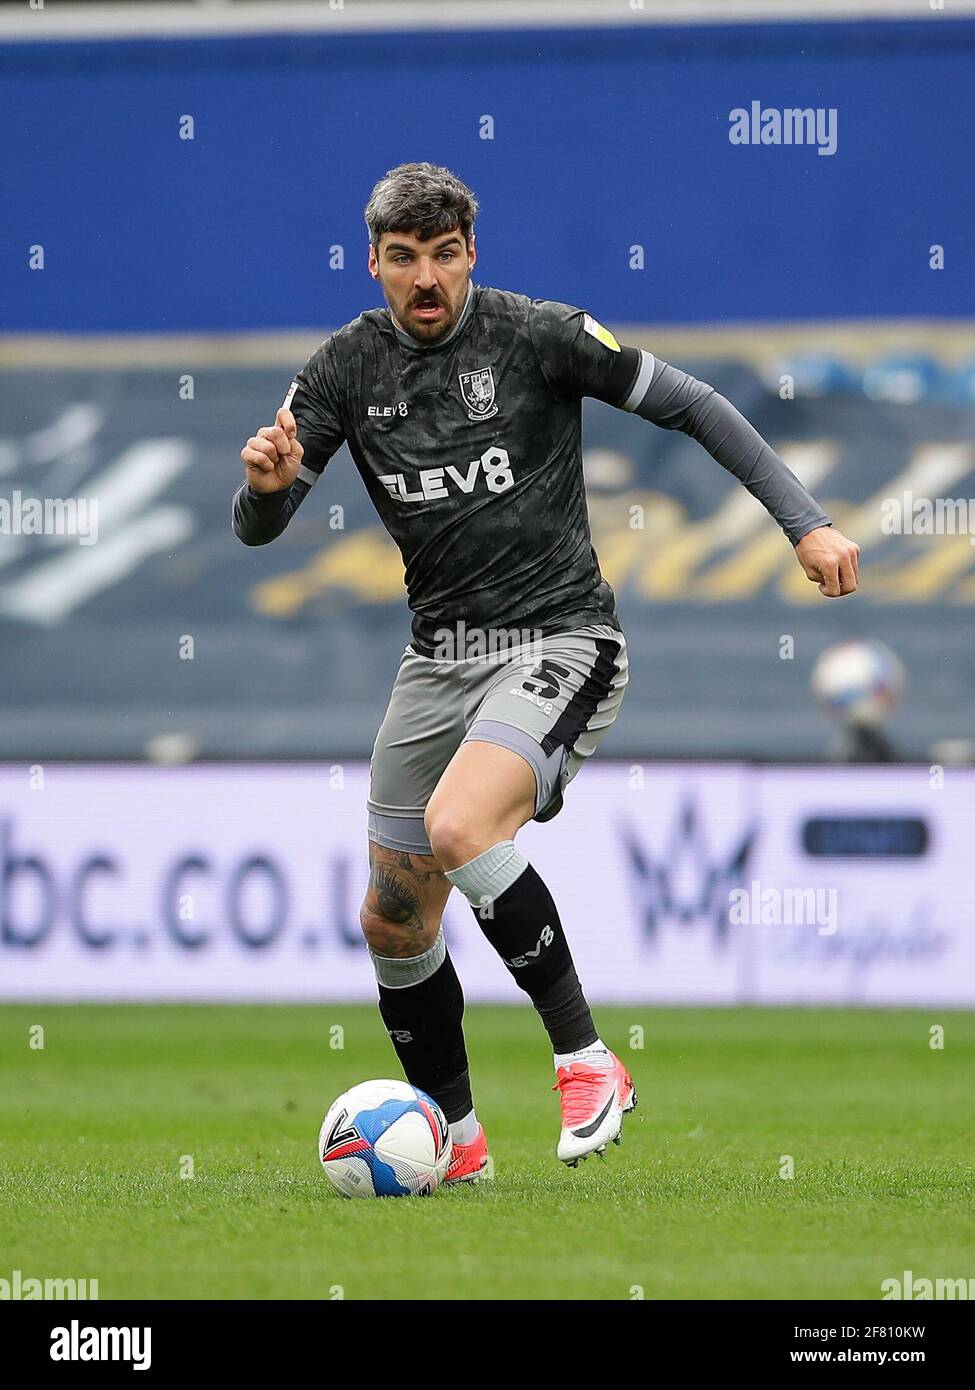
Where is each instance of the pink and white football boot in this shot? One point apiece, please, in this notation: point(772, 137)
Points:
point(596, 1094)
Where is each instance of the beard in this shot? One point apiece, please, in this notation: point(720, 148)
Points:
point(428, 331)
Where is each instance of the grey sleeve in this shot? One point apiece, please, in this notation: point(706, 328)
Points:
point(258, 517)
point(676, 401)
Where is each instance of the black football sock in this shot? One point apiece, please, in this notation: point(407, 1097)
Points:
point(516, 913)
point(422, 1006)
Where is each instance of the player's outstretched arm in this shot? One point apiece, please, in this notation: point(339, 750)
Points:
point(675, 400)
point(579, 357)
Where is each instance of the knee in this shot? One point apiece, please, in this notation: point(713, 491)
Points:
point(454, 835)
point(394, 940)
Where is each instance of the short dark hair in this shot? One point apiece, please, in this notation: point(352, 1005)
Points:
point(425, 199)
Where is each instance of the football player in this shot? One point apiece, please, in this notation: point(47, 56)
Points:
point(462, 409)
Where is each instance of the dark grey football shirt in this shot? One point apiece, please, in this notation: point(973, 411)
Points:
point(471, 450)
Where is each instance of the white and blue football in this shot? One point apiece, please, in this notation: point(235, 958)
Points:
point(385, 1139)
point(858, 681)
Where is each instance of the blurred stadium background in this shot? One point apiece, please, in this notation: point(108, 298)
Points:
point(186, 723)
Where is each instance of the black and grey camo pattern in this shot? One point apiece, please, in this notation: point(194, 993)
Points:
point(502, 539)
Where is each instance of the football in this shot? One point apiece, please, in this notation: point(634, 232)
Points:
point(858, 681)
point(385, 1139)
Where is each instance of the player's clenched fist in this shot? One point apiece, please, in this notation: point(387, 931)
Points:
point(273, 455)
point(830, 560)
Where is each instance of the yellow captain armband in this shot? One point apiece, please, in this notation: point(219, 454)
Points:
point(598, 331)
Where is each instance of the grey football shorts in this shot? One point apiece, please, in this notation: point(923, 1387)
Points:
point(551, 701)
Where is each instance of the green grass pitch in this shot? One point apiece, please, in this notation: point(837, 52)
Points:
point(94, 1129)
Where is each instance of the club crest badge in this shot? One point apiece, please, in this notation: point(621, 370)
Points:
point(477, 389)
